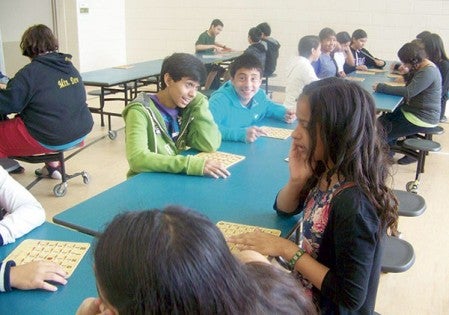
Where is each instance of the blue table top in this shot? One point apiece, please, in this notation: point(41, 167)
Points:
point(141, 70)
point(66, 300)
point(245, 197)
point(118, 75)
point(384, 102)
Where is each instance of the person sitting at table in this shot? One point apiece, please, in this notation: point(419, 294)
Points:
point(434, 47)
point(148, 262)
point(421, 107)
point(20, 213)
point(342, 53)
point(207, 45)
point(300, 71)
point(273, 47)
point(239, 104)
point(325, 66)
point(339, 171)
point(256, 47)
point(49, 99)
point(159, 126)
point(363, 59)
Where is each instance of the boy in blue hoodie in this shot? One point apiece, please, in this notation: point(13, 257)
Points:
point(239, 104)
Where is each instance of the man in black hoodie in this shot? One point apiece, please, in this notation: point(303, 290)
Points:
point(49, 99)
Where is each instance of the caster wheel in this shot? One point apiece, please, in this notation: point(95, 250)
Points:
point(112, 134)
point(86, 178)
point(412, 187)
point(60, 190)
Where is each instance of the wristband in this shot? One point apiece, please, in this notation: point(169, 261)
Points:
point(295, 258)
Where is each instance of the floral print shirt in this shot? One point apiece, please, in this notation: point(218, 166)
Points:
point(316, 215)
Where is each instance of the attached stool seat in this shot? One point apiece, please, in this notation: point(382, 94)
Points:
point(60, 189)
point(398, 255)
point(418, 148)
point(410, 204)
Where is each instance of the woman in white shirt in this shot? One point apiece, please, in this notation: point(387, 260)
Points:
point(300, 71)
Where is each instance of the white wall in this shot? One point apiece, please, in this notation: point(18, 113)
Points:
point(155, 29)
point(15, 17)
point(101, 34)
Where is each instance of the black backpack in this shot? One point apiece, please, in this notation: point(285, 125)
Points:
point(272, 56)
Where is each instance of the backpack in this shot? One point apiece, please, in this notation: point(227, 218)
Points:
point(272, 56)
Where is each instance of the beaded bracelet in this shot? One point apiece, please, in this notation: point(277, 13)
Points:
point(295, 258)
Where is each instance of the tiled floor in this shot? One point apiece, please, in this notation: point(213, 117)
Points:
point(420, 290)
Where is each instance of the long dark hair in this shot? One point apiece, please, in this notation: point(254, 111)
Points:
point(434, 46)
point(173, 261)
point(346, 116)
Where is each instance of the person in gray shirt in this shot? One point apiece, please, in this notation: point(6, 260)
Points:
point(421, 107)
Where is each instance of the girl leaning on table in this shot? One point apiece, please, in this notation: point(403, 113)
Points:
point(338, 171)
point(420, 110)
point(20, 213)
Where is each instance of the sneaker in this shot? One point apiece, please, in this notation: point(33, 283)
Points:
point(49, 172)
point(406, 160)
point(443, 119)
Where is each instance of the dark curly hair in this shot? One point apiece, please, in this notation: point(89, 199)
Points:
point(346, 116)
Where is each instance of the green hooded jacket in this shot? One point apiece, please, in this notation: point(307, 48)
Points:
point(149, 148)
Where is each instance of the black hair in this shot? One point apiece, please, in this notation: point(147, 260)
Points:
point(282, 292)
point(38, 39)
point(182, 65)
point(412, 53)
point(255, 34)
point(434, 47)
point(175, 261)
point(326, 33)
point(423, 34)
point(306, 44)
point(216, 22)
point(343, 37)
point(247, 61)
point(359, 33)
point(353, 140)
point(264, 28)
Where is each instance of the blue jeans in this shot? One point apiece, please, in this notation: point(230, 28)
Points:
point(396, 125)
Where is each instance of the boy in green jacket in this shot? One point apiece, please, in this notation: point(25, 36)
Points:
point(160, 126)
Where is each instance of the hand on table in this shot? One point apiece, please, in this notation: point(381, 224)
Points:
point(362, 67)
point(254, 132)
point(215, 169)
point(34, 275)
point(264, 243)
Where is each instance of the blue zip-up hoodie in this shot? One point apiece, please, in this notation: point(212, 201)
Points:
point(233, 118)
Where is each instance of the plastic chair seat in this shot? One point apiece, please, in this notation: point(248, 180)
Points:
point(421, 145)
point(398, 255)
point(410, 204)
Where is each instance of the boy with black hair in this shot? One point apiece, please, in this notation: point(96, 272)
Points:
point(256, 47)
point(272, 48)
point(159, 126)
point(206, 45)
point(239, 104)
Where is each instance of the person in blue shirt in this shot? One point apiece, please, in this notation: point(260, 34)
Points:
point(325, 66)
point(239, 104)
